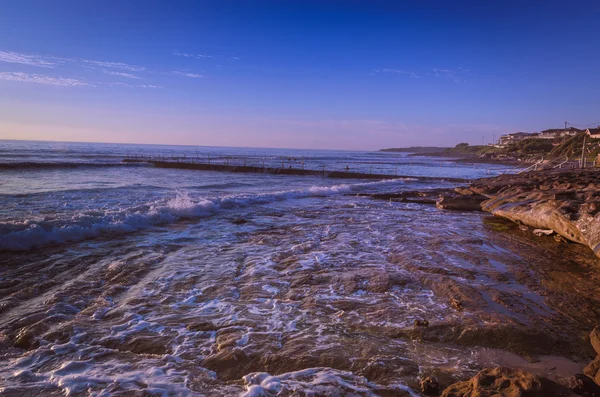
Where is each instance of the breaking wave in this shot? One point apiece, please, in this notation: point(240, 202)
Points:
point(30, 233)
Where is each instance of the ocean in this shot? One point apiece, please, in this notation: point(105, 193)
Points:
point(126, 279)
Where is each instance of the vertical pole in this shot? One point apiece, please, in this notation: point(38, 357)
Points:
point(583, 154)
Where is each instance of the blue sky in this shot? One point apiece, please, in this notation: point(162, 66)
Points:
point(305, 74)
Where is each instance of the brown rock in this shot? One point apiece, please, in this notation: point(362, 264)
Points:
point(141, 344)
point(421, 323)
point(566, 202)
point(456, 304)
point(593, 370)
point(429, 385)
point(595, 339)
point(506, 382)
point(584, 386)
point(26, 340)
point(460, 202)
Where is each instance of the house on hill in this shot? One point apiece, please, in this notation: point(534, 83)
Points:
point(515, 137)
point(554, 133)
point(593, 132)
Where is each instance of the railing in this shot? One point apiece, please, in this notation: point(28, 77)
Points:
point(534, 166)
point(562, 163)
point(390, 168)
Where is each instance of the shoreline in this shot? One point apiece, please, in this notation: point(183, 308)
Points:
point(552, 209)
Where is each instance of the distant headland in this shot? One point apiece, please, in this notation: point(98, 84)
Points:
point(569, 145)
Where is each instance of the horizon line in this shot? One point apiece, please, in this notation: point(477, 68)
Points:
point(182, 145)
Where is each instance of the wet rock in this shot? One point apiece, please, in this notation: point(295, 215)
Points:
point(456, 304)
point(200, 326)
point(26, 340)
point(230, 364)
point(595, 339)
point(239, 221)
point(430, 386)
point(141, 344)
point(559, 239)
point(506, 382)
point(584, 386)
point(565, 202)
point(385, 369)
point(428, 197)
point(421, 323)
point(593, 370)
point(470, 202)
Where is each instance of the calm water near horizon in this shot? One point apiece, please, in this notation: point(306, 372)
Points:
point(124, 278)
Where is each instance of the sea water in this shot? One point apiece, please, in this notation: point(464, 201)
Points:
point(123, 278)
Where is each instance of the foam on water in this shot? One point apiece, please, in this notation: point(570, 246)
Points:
point(32, 233)
point(316, 382)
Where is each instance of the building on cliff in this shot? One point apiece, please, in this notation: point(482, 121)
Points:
point(593, 132)
point(555, 133)
point(517, 136)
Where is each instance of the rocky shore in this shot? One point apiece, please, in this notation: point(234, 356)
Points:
point(563, 206)
point(566, 203)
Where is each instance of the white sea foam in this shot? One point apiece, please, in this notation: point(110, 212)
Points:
point(314, 381)
point(30, 233)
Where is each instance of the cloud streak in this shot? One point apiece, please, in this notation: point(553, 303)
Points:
point(186, 74)
point(42, 79)
point(457, 75)
point(115, 65)
point(123, 74)
point(188, 55)
point(116, 69)
point(24, 59)
point(412, 75)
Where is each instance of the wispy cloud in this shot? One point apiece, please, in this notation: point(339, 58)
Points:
point(458, 74)
point(188, 55)
point(443, 73)
point(186, 74)
point(122, 74)
point(25, 59)
point(115, 65)
point(110, 68)
point(410, 74)
point(42, 79)
point(127, 85)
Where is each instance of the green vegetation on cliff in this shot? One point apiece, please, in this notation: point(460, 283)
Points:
point(529, 148)
point(572, 147)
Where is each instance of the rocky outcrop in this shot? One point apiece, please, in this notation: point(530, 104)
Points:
point(592, 370)
point(506, 382)
point(460, 202)
point(584, 386)
point(595, 339)
point(566, 202)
